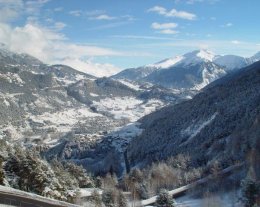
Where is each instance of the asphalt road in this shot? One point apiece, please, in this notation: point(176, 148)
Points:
point(20, 201)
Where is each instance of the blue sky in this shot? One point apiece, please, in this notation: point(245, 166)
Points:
point(102, 37)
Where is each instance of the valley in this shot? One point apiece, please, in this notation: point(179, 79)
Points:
point(185, 115)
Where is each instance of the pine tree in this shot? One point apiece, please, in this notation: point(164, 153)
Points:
point(96, 198)
point(122, 202)
point(109, 198)
point(164, 199)
point(250, 191)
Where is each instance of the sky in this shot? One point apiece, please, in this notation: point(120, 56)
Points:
point(103, 37)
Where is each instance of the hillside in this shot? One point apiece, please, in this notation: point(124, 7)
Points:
point(219, 124)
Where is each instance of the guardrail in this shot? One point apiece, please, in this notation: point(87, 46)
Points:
point(11, 196)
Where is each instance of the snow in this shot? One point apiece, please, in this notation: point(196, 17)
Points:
point(229, 199)
point(93, 94)
point(64, 120)
point(42, 102)
point(206, 55)
point(209, 76)
point(13, 132)
point(195, 129)
point(127, 107)
point(123, 135)
point(130, 84)
point(86, 192)
point(12, 78)
point(6, 102)
point(194, 57)
point(167, 62)
point(23, 194)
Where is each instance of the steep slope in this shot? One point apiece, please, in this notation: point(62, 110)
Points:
point(140, 73)
point(231, 62)
point(48, 105)
point(34, 99)
point(191, 71)
point(220, 123)
point(185, 77)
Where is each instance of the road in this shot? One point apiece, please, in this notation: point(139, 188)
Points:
point(14, 197)
point(189, 186)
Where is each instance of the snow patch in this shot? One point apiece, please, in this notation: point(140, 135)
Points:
point(130, 84)
point(167, 62)
point(93, 94)
point(128, 108)
point(195, 129)
point(64, 120)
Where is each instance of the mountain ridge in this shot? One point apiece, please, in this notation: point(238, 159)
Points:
point(165, 72)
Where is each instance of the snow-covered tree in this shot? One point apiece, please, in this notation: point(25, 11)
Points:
point(109, 198)
point(164, 199)
point(121, 200)
point(96, 198)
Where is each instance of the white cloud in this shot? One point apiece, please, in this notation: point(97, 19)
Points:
point(10, 9)
point(102, 17)
point(170, 25)
point(59, 25)
point(142, 37)
point(172, 13)
point(33, 6)
point(235, 42)
point(76, 13)
point(168, 31)
point(58, 9)
point(110, 25)
point(229, 24)
point(51, 47)
point(87, 66)
point(165, 28)
point(196, 1)
point(129, 17)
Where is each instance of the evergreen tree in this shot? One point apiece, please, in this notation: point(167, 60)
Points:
point(109, 198)
point(250, 191)
point(96, 198)
point(122, 202)
point(164, 199)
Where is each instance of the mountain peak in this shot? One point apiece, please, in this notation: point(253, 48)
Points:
point(256, 57)
point(203, 54)
point(195, 56)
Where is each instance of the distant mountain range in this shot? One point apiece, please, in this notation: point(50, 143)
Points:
point(39, 100)
point(76, 116)
point(193, 70)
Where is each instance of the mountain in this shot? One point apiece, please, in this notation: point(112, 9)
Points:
point(219, 124)
point(231, 62)
point(191, 71)
point(54, 106)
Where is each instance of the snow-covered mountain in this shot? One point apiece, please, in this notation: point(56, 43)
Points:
point(213, 126)
point(192, 70)
point(42, 103)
